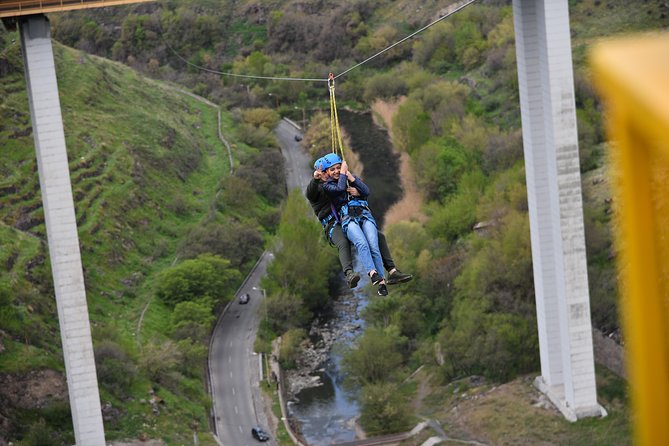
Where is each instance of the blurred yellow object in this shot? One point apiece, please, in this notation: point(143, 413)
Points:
point(632, 74)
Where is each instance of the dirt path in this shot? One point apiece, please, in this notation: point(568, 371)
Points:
point(409, 207)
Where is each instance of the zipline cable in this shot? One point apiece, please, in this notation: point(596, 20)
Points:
point(248, 76)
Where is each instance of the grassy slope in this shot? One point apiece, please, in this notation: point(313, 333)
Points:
point(515, 413)
point(145, 164)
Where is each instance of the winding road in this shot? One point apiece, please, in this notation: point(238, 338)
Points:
point(297, 160)
point(235, 369)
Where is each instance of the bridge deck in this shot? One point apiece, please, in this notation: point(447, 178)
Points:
point(14, 8)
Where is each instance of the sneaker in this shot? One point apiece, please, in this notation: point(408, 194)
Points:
point(352, 278)
point(376, 279)
point(398, 277)
point(383, 290)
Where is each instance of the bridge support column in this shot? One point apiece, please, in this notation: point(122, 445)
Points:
point(61, 228)
point(550, 140)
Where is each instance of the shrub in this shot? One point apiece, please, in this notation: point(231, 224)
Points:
point(255, 136)
point(385, 86)
point(40, 434)
point(303, 264)
point(384, 410)
point(261, 117)
point(192, 354)
point(456, 217)
point(290, 347)
point(376, 357)
point(440, 164)
point(205, 276)
point(258, 173)
point(286, 311)
point(158, 359)
point(193, 319)
point(237, 241)
point(115, 369)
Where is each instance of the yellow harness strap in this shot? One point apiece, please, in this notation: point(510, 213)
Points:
point(337, 143)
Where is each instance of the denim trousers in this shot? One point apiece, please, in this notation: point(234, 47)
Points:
point(366, 242)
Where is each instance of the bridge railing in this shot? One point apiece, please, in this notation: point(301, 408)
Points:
point(14, 8)
point(632, 75)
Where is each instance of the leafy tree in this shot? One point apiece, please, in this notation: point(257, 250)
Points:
point(384, 409)
point(261, 179)
point(158, 359)
point(456, 217)
point(191, 353)
point(385, 86)
point(261, 117)
point(500, 267)
point(511, 345)
point(444, 102)
point(205, 276)
point(380, 312)
point(376, 356)
point(436, 49)
point(193, 319)
point(236, 194)
point(290, 347)
point(255, 136)
point(293, 31)
point(495, 344)
point(303, 261)
point(286, 311)
point(440, 164)
point(436, 290)
point(116, 371)
point(407, 125)
point(234, 240)
point(380, 39)
point(407, 240)
point(468, 44)
point(491, 329)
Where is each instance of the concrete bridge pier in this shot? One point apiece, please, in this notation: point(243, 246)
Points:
point(61, 228)
point(550, 144)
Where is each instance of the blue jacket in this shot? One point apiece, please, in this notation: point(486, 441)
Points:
point(356, 209)
point(336, 190)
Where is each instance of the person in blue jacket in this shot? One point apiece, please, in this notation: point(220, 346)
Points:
point(354, 215)
point(322, 207)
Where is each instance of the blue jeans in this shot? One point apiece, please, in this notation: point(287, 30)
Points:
point(366, 242)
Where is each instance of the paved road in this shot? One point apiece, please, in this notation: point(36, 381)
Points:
point(235, 367)
point(298, 172)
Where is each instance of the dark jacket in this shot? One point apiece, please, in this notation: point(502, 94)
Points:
point(336, 190)
point(318, 199)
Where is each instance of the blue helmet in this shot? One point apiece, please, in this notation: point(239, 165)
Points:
point(317, 163)
point(328, 161)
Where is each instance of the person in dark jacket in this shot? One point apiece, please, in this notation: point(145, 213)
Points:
point(323, 208)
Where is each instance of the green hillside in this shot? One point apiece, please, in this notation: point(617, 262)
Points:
point(147, 169)
point(152, 187)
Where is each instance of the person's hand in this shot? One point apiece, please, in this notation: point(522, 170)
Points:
point(352, 191)
point(350, 176)
point(317, 174)
point(344, 168)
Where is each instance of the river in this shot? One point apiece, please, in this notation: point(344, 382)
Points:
point(326, 413)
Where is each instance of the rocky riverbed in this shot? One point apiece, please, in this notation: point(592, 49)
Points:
point(343, 322)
